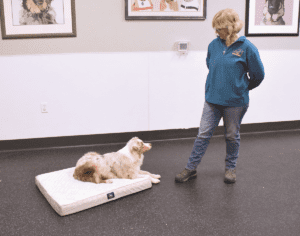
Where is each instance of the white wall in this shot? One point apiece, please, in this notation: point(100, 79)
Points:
point(94, 93)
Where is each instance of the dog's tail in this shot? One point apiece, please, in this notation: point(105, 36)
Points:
point(88, 173)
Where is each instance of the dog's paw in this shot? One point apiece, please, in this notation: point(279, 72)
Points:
point(155, 181)
point(108, 181)
point(156, 176)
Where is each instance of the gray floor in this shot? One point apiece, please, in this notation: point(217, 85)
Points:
point(263, 201)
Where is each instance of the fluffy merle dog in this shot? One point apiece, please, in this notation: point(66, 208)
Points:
point(37, 12)
point(123, 164)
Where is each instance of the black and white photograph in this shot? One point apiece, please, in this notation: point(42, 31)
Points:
point(272, 18)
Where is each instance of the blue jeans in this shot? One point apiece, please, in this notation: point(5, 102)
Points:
point(211, 116)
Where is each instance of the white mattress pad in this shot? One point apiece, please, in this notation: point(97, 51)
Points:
point(67, 195)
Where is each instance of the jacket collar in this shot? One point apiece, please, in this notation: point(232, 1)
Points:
point(240, 39)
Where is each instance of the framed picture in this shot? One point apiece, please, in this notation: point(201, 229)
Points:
point(165, 9)
point(37, 18)
point(272, 18)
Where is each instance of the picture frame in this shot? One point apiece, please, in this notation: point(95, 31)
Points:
point(23, 19)
point(272, 18)
point(165, 9)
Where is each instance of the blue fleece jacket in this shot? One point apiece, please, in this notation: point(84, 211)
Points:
point(227, 83)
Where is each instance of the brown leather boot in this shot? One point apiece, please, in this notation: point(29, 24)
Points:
point(185, 175)
point(230, 176)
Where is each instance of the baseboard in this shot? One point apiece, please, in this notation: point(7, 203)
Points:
point(52, 142)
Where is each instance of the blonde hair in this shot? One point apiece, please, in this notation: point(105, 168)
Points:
point(228, 18)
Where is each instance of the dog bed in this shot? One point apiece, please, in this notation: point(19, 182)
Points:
point(67, 195)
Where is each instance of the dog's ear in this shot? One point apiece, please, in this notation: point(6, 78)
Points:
point(135, 148)
point(32, 7)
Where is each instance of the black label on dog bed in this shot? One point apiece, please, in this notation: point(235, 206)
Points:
point(110, 195)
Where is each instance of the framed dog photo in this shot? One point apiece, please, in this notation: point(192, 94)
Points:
point(37, 18)
point(165, 9)
point(272, 18)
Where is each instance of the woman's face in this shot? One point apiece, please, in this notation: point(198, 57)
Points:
point(223, 32)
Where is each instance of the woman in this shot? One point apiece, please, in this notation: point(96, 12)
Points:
point(229, 59)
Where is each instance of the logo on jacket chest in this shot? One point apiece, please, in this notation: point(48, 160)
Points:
point(239, 52)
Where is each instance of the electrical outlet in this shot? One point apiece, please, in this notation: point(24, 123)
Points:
point(44, 107)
